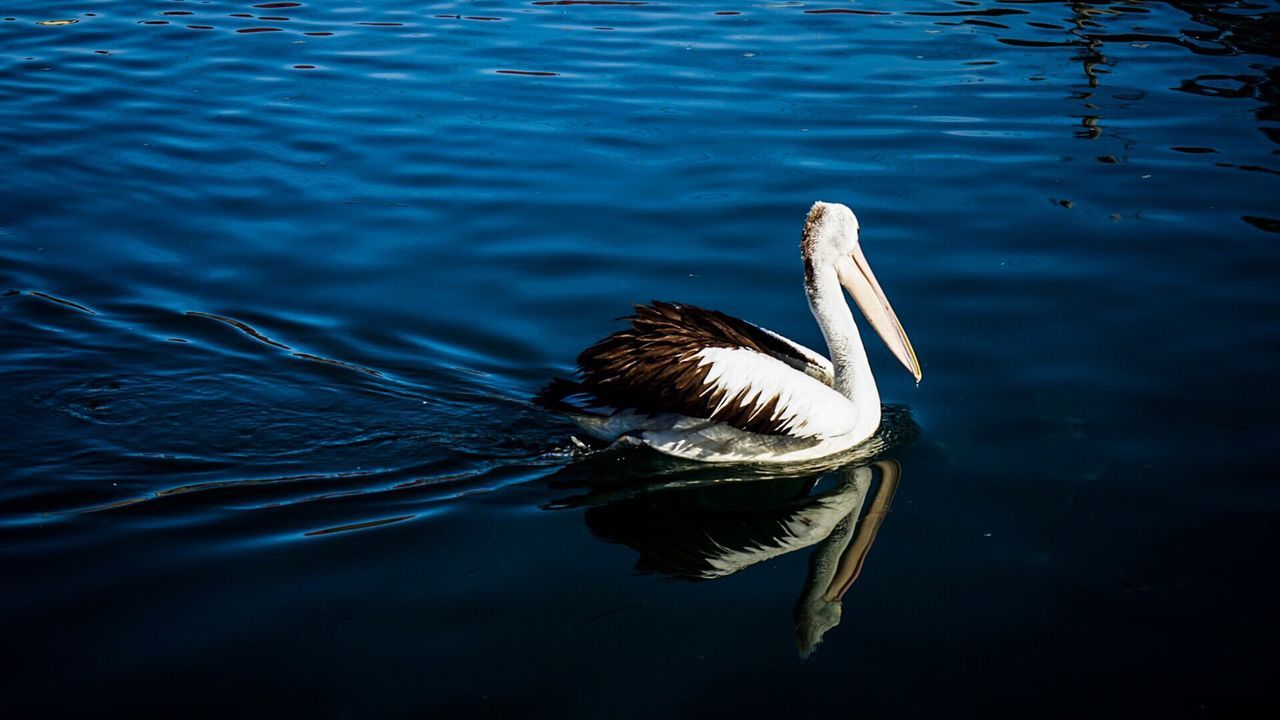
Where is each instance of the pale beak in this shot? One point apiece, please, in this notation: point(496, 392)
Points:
point(856, 277)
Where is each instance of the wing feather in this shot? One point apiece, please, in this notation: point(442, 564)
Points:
point(705, 364)
point(812, 363)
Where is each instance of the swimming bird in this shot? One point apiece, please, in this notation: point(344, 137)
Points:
point(703, 385)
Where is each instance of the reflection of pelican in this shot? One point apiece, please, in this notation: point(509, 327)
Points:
point(838, 561)
point(711, 527)
point(702, 385)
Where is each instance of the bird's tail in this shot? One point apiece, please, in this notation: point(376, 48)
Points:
point(565, 396)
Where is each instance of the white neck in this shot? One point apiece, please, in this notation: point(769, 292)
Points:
point(853, 377)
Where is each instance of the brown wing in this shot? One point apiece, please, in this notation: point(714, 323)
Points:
point(651, 367)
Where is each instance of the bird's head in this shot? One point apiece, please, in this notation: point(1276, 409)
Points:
point(831, 243)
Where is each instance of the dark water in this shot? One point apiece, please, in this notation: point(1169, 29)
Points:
point(280, 279)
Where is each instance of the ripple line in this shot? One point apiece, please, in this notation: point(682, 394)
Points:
point(61, 301)
point(242, 327)
point(359, 526)
point(1265, 224)
point(843, 11)
point(989, 12)
point(589, 2)
point(214, 485)
point(339, 363)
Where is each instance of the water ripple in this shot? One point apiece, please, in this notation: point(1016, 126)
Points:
point(266, 247)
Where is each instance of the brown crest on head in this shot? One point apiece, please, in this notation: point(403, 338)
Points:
point(809, 238)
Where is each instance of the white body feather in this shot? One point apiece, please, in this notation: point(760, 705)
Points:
point(819, 420)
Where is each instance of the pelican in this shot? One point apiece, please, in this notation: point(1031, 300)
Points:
point(702, 385)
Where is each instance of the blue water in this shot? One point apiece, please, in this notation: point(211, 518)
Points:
point(279, 281)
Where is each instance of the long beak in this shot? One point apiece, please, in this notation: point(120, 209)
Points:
point(857, 278)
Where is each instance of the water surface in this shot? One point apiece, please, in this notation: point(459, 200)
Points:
point(278, 280)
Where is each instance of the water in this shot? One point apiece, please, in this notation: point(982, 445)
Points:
point(274, 305)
